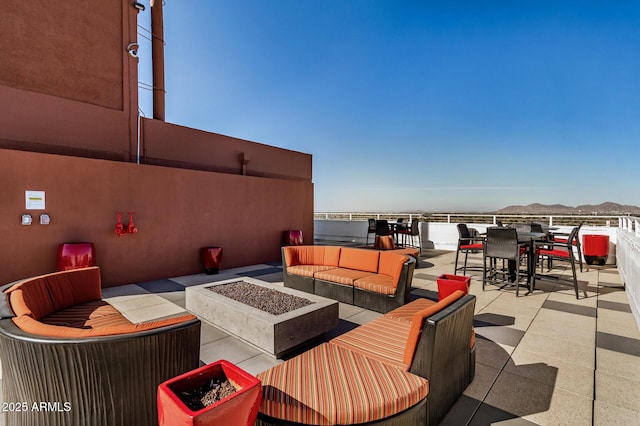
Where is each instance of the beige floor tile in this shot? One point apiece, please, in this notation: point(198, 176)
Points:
point(618, 391)
point(345, 310)
point(566, 408)
point(567, 319)
point(259, 363)
point(364, 317)
point(123, 290)
point(625, 326)
point(618, 364)
point(229, 348)
point(151, 313)
point(492, 354)
point(552, 372)
point(570, 297)
point(610, 415)
point(483, 380)
point(559, 331)
point(508, 306)
point(539, 403)
point(558, 348)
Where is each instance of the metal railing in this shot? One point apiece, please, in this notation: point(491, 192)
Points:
point(628, 222)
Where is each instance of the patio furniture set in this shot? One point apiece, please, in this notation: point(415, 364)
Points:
point(520, 244)
point(61, 343)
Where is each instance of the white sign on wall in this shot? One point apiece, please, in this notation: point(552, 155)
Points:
point(34, 200)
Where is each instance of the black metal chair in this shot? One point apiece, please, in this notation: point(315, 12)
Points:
point(502, 244)
point(370, 230)
point(576, 243)
point(466, 243)
point(412, 232)
point(559, 252)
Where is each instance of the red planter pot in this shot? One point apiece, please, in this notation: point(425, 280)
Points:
point(239, 408)
point(447, 284)
point(595, 249)
point(292, 237)
point(211, 258)
point(75, 256)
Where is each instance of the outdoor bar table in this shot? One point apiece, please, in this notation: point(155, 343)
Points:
point(530, 238)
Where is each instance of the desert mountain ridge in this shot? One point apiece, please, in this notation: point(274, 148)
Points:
point(606, 208)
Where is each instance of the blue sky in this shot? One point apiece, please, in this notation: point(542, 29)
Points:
point(418, 105)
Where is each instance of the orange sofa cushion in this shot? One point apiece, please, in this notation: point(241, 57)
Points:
point(307, 270)
point(330, 385)
point(406, 312)
point(377, 283)
point(359, 259)
point(33, 326)
point(417, 323)
point(40, 296)
point(312, 255)
point(341, 275)
point(87, 315)
point(383, 339)
point(391, 264)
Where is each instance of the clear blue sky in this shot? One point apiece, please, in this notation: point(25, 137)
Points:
point(434, 105)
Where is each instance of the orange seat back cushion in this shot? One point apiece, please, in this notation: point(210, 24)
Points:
point(312, 255)
point(359, 259)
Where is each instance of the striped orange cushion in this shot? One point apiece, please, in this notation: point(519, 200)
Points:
point(377, 283)
point(383, 339)
point(418, 322)
point(405, 312)
point(307, 270)
point(330, 385)
point(87, 315)
point(30, 325)
point(341, 275)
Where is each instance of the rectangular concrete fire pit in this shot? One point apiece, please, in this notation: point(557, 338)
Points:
point(274, 334)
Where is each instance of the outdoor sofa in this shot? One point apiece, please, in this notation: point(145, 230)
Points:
point(407, 367)
point(68, 357)
point(372, 279)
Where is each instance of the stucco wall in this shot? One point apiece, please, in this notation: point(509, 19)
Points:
point(177, 211)
point(173, 145)
point(67, 83)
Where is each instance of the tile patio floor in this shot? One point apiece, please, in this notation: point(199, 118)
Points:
point(544, 358)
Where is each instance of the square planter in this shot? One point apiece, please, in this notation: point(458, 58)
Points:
point(239, 408)
point(447, 284)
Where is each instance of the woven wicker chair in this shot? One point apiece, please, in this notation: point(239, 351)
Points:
point(502, 244)
point(412, 232)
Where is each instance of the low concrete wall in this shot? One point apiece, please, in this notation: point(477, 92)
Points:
point(628, 260)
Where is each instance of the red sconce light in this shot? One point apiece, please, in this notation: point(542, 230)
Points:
point(121, 229)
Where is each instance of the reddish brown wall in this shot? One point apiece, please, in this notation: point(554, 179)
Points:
point(177, 211)
point(172, 145)
point(67, 83)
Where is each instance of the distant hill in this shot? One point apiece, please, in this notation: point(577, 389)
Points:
point(606, 208)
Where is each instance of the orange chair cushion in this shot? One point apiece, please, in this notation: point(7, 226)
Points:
point(331, 385)
point(377, 283)
point(341, 275)
point(359, 259)
point(417, 323)
point(87, 315)
point(383, 339)
point(40, 296)
point(406, 312)
point(391, 264)
point(312, 255)
point(307, 270)
point(33, 326)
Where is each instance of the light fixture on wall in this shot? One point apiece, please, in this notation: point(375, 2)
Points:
point(26, 219)
point(132, 48)
point(139, 6)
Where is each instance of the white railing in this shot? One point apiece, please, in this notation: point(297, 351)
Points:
point(551, 220)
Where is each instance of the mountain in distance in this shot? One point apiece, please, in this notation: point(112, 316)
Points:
point(606, 208)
